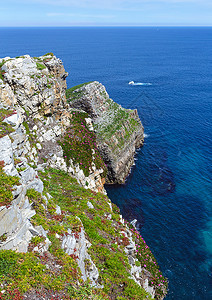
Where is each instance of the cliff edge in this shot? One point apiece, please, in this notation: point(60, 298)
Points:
point(60, 235)
point(119, 131)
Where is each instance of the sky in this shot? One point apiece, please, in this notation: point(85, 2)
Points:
point(105, 13)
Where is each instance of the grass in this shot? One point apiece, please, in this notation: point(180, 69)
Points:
point(22, 272)
point(72, 91)
point(105, 235)
point(49, 54)
point(40, 66)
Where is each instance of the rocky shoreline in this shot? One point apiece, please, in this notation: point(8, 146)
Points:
point(60, 234)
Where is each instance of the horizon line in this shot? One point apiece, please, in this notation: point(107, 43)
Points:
point(70, 26)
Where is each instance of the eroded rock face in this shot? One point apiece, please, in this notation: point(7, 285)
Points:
point(35, 115)
point(34, 83)
point(119, 131)
point(35, 88)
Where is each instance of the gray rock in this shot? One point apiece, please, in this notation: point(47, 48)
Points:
point(58, 210)
point(28, 175)
point(117, 149)
point(36, 184)
point(90, 205)
point(6, 152)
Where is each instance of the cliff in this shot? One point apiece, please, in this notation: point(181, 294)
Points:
point(60, 235)
point(119, 131)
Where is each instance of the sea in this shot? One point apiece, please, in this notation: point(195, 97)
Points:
point(169, 188)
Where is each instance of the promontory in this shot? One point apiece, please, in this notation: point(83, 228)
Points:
point(60, 235)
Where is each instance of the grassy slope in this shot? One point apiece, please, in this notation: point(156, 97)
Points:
point(22, 272)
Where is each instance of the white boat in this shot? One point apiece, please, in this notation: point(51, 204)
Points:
point(131, 82)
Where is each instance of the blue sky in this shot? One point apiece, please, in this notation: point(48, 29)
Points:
point(110, 12)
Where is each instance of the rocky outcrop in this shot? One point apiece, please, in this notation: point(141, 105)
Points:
point(36, 87)
point(78, 245)
point(52, 198)
point(33, 104)
point(119, 131)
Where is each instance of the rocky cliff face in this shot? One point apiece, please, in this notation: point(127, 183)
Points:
point(36, 87)
point(119, 131)
point(60, 235)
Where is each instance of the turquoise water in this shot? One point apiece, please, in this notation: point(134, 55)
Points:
point(169, 189)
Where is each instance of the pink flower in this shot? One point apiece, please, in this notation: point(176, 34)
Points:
point(144, 266)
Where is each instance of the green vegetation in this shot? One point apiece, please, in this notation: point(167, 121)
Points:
point(49, 54)
point(4, 127)
point(6, 187)
point(26, 127)
point(105, 235)
point(21, 272)
point(40, 66)
point(118, 124)
point(71, 93)
point(79, 144)
point(1, 71)
point(3, 237)
point(54, 271)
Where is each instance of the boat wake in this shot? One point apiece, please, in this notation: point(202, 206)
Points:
point(139, 83)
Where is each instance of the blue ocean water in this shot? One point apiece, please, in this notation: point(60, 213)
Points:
point(169, 189)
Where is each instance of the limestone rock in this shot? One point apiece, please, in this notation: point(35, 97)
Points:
point(119, 131)
point(77, 244)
